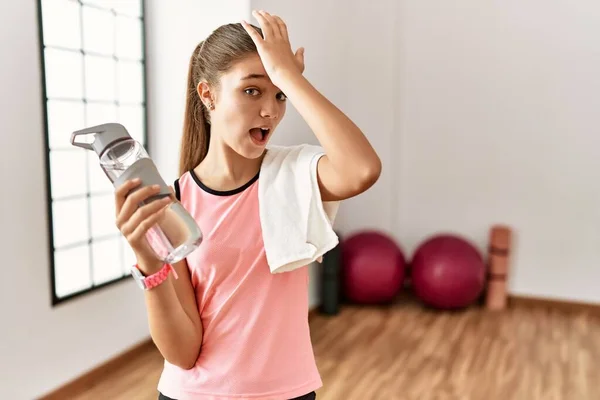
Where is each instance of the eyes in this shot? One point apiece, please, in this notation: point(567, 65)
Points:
point(255, 92)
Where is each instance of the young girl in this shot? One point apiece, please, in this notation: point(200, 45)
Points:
point(227, 326)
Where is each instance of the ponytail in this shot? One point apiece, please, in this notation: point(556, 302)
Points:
point(196, 127)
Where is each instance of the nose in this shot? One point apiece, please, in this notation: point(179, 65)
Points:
point(270, 109)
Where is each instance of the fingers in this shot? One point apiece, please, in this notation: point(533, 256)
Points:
point(273, 24)
point(272, 27)
point(140, 232)
point(143, 219)
point(282, 27)
point(122, 191)
point(254, 35)
point(265, 25)
point(132, 201)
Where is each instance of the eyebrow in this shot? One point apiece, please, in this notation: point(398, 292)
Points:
point(254, 76)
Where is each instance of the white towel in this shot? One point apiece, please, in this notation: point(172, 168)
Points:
point(297, 226)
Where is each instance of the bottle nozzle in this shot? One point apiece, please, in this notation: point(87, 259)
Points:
point(110, 131)
point(81, 144)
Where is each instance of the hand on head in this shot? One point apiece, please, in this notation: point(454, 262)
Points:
point(274, 48)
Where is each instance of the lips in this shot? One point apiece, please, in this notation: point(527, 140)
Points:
point(260, 134)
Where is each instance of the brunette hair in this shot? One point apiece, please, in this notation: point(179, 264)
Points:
point(211, 57)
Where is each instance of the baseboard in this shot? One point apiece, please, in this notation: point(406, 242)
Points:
point(529, 301)
point(92, 377)
point(562, 305)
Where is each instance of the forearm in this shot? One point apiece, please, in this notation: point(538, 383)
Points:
point(177, 335)
point(349, 151)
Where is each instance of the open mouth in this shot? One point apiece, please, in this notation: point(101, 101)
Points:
point(260, 135)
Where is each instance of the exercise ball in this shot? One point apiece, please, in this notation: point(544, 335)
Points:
point(447, 272)
point(372, 268)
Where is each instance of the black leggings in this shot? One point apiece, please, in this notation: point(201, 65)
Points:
point(308, 396)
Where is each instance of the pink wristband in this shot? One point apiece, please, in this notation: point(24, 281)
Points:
point(159, 277)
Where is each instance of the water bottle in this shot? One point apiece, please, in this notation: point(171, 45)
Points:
point(123, 158)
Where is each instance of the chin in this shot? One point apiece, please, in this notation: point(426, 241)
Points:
point(250, 150)
point(253, 155)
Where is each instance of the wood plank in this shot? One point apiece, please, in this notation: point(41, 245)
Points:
point(120, 366)
point(406, 351)
point(531, 350)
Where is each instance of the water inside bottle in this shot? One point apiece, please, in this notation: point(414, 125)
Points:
point(174, 236)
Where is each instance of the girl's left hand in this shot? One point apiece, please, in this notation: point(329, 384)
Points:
point(274, 49)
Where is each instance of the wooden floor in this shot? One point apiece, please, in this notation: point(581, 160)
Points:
point(407, 352)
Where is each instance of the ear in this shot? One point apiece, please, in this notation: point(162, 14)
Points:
point(205, 92)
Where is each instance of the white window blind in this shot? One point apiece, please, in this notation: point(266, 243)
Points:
point(93, 69)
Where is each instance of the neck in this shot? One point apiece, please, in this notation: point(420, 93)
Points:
point(223, 168)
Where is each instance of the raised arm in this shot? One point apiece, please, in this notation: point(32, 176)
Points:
point(350, 165)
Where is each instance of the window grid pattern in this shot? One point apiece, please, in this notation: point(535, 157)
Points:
point(93, 68)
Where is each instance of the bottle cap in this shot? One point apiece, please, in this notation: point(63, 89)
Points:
point(104, 136)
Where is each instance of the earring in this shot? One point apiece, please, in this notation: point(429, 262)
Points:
point(210, 106)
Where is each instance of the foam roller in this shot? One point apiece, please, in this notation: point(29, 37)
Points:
point(499, 252)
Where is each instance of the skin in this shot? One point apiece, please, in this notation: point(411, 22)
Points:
point(244, 99)
point(249, 95)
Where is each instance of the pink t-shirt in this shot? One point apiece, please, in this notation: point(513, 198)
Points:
point(256, 342)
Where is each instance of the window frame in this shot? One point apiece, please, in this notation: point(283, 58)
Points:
point(56, 300)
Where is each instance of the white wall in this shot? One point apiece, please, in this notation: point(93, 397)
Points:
point(42, 347)
point(498, 122)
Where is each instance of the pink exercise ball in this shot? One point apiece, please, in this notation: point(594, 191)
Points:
point(373, 268)
point(447, 272)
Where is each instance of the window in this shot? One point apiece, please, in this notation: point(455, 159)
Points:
point(93, 69)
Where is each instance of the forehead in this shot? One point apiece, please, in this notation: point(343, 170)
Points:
point(247, 69)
